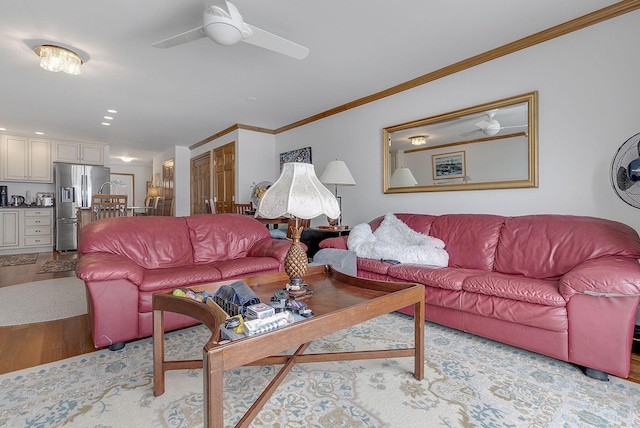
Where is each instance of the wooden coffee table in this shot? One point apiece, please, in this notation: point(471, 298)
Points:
point(338, 301)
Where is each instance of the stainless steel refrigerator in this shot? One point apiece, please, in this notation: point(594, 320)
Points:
point(74, 186)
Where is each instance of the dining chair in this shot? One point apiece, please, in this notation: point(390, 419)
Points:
point(167, 206)
point(242, 208)
point(158, 205)
point(106, 206)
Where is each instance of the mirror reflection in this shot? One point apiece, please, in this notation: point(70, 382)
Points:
point(490, 146)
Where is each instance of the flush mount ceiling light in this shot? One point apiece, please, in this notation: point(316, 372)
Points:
point(56, 58)
point(418, 140)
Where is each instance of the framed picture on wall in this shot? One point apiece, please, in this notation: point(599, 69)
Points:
point(125, 186)
point(298, 155)
point(448, 165)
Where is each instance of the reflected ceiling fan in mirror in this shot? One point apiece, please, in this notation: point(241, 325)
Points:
point(223, 24)
point(625, 171)
point(490, 126)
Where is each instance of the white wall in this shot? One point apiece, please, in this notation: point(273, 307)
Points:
point(589, 104)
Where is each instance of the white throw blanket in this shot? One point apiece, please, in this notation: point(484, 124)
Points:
point(394, 240)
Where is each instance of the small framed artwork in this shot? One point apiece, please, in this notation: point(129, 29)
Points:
point(298, 155)
point(448, 165)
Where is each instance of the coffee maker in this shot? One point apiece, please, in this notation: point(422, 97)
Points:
point(4, 198)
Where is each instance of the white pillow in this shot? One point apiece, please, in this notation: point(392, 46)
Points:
point(394, 230)
point(394, 240)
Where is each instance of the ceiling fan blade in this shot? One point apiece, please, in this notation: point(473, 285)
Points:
point(266, 40)
point(186, 37)
point(466, 134)
point(482, 124)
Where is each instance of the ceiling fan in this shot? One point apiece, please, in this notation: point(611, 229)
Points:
point(224, 25)
point(490, 126)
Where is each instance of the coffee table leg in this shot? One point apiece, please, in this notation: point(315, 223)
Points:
point(418, 371)
point(158, 352)
point(212, 364)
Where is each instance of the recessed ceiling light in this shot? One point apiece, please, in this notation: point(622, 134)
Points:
point(112, 111)
point(126, 158)
point(251, 99)
point(39, 133)
point(106, 123)
point(108, 117)
point(3, 129)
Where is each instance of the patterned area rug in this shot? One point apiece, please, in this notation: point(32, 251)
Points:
point(18, 259)
point(62, 265)
point(469, 382)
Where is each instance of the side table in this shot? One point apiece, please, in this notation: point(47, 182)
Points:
point(312, 237)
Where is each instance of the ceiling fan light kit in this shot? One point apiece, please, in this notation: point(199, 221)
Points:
point(225, 28)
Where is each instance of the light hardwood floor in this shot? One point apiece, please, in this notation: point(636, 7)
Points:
point(34, 344)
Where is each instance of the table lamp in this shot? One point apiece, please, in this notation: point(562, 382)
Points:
point(299, 194)
point(402, 177)
point(337, 173)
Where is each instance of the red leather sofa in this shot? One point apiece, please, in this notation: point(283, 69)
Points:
point(124, 260)
point(562, 286)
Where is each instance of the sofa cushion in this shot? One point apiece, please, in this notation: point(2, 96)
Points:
point(551, 318)
point(548, 246)
point(152, 242)
point(247, 266)
point(516, 287)
point(217, 237)
point(470, 239)
point(373, 266)
point(447, 278)
point(165, 279)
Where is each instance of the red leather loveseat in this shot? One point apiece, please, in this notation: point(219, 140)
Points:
point(562, 286)
point(124, 260)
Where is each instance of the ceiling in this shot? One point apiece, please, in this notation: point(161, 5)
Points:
point(184, 94)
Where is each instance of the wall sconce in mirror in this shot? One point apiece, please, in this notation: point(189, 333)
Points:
point(495, 143)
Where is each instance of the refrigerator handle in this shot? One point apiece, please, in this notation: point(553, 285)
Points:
point(84, 192)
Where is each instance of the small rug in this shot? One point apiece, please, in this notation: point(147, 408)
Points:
point(469, 382)
point(18, 259)
point(40, 301)
point(62, 265)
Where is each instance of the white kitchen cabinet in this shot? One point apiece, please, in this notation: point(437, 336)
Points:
point(26, 230)
point(25, 159)
point(9, 231)
point(37, 227)
point(74, 152)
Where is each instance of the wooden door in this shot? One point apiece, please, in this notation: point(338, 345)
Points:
point(200, 182)
point(224, 177)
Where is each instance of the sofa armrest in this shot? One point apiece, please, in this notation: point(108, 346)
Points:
point(269, 247)
point(339, 242)
point(106, 266)
point(610, 276)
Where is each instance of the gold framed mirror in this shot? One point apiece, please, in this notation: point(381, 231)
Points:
point(489, 146)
